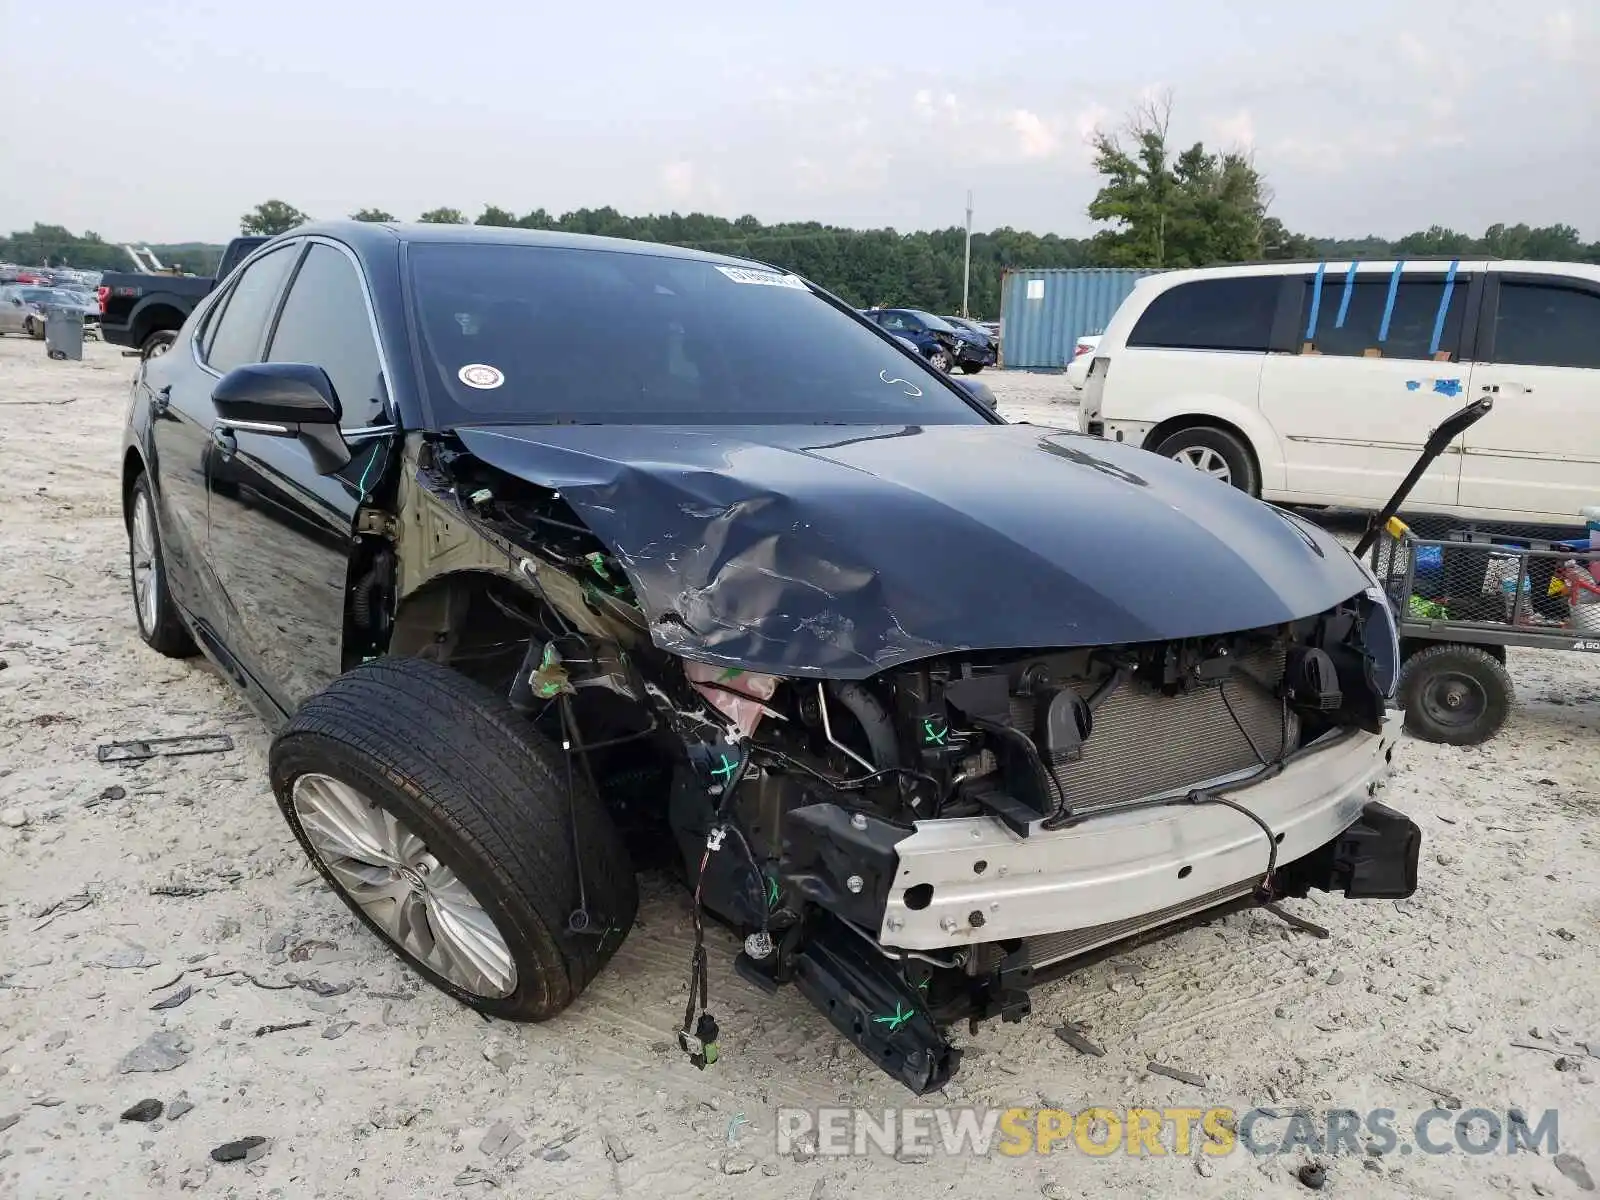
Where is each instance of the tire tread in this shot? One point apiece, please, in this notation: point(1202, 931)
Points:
point(474, 765)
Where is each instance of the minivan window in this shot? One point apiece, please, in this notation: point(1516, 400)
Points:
point(1355, 328)
point(324, 322)
point(1544, 325)
point(235, 333)
point(1211, 314)
point(556, 334)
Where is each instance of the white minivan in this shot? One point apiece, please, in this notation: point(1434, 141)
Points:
point(1317, 384)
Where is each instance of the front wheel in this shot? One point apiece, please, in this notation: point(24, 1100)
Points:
point(939, 360)
point(458, 834)
point(1214, 452)
point(971, 368)
point(1454, 694)
point(32, 328)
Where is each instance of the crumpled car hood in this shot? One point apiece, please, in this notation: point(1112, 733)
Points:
point(840, 551)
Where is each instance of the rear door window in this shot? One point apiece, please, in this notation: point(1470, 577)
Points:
point(234, 336)
point(1547, 325)
point(1359, 320)
point(1211, 314)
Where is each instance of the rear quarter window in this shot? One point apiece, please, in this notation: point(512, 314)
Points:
point(1211, 314)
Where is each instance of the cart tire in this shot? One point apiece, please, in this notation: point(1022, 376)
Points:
point(1455, 695)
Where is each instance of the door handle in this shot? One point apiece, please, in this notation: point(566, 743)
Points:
point(224, 441)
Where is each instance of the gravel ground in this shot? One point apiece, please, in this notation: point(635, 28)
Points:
point(165, 906)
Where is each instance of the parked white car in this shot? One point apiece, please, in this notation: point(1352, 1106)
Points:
point(1318, 384)
point(1082, 355)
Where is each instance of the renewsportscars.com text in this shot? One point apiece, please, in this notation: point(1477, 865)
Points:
point(1155, 1132)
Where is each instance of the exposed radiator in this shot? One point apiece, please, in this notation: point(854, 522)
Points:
point(1144, 743)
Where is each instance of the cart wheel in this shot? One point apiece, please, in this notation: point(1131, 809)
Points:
point(1454, 694)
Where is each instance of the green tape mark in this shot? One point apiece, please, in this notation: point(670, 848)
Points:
point(934, 736)
point(897, 1018)
point(773, 893)
point(726, 769)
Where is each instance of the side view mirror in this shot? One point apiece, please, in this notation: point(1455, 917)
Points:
point(293, 400)
point(978, 391)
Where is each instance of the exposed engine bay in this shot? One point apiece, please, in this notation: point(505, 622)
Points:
point(785, 796)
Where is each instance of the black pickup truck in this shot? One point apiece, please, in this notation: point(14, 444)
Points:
point(145, 311)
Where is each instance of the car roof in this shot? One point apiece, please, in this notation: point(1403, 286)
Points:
point(372, 234)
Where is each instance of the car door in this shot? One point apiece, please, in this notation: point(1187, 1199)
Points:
point(1379, 358)
point(11, 310)
point(1537, 455)
point(281, 534)
point(176, 389)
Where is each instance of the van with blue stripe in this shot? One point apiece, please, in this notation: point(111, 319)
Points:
point(1317, 383)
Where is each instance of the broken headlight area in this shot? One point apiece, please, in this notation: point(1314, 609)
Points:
point(791, 801)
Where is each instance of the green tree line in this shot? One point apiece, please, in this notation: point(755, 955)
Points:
point(1159, 205)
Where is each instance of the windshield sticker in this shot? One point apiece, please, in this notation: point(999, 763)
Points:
point(481, 376)
point(769, 278)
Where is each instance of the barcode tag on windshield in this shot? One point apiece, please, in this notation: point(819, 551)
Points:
point(769, 278)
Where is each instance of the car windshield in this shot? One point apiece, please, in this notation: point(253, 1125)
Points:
point(521, 334)
point(931, 321)
point(37, 295)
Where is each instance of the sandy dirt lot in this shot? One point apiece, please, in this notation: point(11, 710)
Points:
point(160, 915)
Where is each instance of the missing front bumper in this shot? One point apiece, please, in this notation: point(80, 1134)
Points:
point(971, 881)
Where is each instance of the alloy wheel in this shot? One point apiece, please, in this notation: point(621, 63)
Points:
point(1207, 461)
point(146, 581)
point(421, 904)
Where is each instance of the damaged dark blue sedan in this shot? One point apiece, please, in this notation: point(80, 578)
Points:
point(552, 557)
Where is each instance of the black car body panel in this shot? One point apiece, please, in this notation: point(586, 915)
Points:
point(822, 551)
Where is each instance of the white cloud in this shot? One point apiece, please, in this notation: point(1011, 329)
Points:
point(678, 179)
point(1235, 132)
point(1035, 137)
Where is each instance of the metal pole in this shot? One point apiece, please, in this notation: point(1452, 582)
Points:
point(966, 266)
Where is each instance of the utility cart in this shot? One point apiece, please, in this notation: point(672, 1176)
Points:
point(1460, 598)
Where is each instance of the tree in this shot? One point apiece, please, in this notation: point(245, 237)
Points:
point(272, 217)
point(443, 216)
point(1436, 240)
point(492, 215)
point(375, 215)
point(1184, 210)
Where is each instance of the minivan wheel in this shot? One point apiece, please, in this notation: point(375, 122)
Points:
point(1214, 452)
point(160, 624)
point(446, 823)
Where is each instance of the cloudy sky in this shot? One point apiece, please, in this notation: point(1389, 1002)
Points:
point(166, 119)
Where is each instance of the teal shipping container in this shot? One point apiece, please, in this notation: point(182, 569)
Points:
point(1043, 313)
